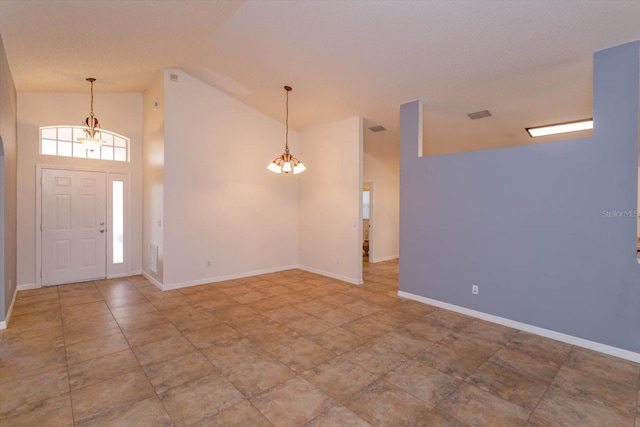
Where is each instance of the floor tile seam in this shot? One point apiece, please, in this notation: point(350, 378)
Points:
point(38, 373)
point(383, 378)
point(527, 374)
point(258, 410)
point(440, 404)
point(103, 379)
point(249, 396)
point(128, 405)
point(516, 371)
point(6, 413)
point(549, 385)
point(605, 402)
point(517, 348)
point(255, 397)
point(155, 392)
point(597, 375)
point(141, 368)
point(215, 370)
point(66, 362)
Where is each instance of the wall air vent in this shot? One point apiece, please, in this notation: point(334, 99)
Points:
point(377, 128)
point(479, 115)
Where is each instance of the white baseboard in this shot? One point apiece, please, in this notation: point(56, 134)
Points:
point(152, 280)
point(558, 336)
point(332, 275)
point(5, 322)
point(227, 277)
point(247, 274)
point(383, 259)
point(28, 286)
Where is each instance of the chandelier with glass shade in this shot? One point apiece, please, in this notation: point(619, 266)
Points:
point(93, 136)
point(286, 162)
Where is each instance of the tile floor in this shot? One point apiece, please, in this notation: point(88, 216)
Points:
point(290, 349)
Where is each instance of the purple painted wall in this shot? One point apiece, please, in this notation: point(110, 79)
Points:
point(529, 224)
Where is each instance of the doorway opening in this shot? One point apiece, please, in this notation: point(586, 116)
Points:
point(367, 222)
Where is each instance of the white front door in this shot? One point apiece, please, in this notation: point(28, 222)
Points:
point(74, 207)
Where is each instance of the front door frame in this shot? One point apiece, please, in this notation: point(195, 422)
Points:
point(111, 271)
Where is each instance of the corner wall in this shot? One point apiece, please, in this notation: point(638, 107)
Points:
point(8, 214)
point(153, 177)
point(225, 214)
point(529, 224)
point(330, 206)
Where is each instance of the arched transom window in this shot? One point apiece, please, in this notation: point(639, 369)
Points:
point(63, 141)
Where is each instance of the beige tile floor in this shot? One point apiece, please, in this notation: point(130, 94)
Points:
point(290, 349)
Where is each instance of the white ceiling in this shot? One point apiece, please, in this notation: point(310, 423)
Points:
point(528, 62)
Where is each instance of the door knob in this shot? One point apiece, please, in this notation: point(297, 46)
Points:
point(102, 231)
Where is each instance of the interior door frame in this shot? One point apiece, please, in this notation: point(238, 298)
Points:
point(370, 183)
point(111, 271)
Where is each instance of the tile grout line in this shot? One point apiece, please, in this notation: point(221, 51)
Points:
point(136, 357)
point(66, 358)
point(550, 383)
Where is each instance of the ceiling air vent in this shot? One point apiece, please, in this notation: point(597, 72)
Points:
point(479, 115)
point(377, 128)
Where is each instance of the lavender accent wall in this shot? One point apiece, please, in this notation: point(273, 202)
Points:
point(536, 227)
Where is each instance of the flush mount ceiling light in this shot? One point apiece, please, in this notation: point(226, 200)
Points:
point(93, 139)
point(286, 163)
point(574, 126)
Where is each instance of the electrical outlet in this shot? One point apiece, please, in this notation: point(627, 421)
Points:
point(337, 260)
point(208, 263)
point(474, 289)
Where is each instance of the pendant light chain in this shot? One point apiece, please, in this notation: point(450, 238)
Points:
point(91, 101)
point(92, 139)
point(286, 163)
point(286, 138)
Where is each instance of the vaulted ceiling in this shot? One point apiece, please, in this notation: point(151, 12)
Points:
point(528, 62)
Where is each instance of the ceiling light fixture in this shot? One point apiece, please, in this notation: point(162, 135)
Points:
point(286, 163)
point(93, 139)
point(574, 126)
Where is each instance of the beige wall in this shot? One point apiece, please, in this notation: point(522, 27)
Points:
point(209, 202)
point(330, 205)
point(120, 113)
point(221, 204)
point(153, 161)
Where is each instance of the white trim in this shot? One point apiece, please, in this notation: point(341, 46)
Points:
point(5, 322)
point(28, 287)
point(247, 274)
point(332, 275)
point(109, 172)
point(119, 270)
point(382, 259)
point(558, 336)
point(228, 277)
point(152, 280)
point(73, 141)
